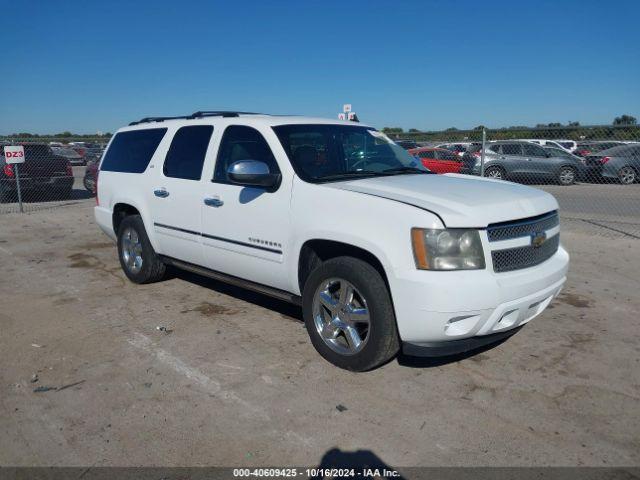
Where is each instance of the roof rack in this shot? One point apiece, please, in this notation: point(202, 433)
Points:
point(198, 114)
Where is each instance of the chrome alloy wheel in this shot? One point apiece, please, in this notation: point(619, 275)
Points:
point(494, 173)
point(341, 316)
point(567, 176)
point(627, 175)
point(132, 250)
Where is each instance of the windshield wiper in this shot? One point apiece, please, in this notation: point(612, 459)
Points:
point(349, 174)
point(401, 170)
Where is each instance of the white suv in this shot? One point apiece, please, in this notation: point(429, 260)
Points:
point(333, 215)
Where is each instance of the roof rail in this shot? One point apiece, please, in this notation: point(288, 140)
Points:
point(219, 113)
point(198, 114)
point(157, 119)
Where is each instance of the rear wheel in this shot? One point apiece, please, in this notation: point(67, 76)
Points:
point(567, 176)
point(138, 259)
point(627, 175)
point(349, 316)
point(495, 172)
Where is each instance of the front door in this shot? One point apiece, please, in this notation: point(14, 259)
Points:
point(245, 229)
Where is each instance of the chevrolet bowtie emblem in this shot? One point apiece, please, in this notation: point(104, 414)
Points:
point(538, 238)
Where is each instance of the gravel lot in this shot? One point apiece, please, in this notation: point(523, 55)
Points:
point(237, 382)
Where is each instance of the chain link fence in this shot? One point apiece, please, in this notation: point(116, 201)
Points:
point(47, 172)
point(593, 171)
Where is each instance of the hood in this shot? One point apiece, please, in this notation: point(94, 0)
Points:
point(459, 200)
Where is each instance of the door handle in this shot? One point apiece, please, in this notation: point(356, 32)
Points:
point(213, 202)
point(161, 192)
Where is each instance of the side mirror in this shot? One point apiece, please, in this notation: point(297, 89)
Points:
point(253, 173)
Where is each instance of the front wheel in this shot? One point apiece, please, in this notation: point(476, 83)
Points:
point(138, 259)
point(349, 316)
point(567, 176)
point(627, 175)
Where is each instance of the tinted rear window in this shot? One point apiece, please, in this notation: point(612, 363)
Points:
point(131, 152)
point(186, 154)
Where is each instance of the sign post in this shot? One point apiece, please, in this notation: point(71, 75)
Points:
point(347, 113)
point(14, 155)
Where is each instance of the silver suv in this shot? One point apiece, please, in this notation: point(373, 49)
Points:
point(519, 161)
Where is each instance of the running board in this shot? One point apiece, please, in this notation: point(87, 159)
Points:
point(235, 281)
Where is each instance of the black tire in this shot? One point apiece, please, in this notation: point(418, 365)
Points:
point(152, 268)
point(567, 176)
point(382, 340)
point(495, 172)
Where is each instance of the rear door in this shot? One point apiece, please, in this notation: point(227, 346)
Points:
point(176, 194)
point(539, 164)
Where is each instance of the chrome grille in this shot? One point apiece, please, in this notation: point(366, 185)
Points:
point(524, 257)
point(522, 228)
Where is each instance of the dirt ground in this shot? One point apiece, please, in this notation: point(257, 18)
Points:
point(88, 379)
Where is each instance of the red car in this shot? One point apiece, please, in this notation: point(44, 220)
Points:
point(438, 160)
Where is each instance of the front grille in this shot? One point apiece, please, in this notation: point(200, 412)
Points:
point(524, 257)
point(522, 228)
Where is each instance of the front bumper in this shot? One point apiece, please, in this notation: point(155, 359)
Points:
point(447, 306)
point(454, 347)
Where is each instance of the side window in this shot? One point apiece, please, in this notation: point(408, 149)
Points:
point(131, 152)
point(533, 151)
point(427, 154)
point(242, 143)
point(511, 149)
point(187, 151)
point(494, 148)
point(449, 156)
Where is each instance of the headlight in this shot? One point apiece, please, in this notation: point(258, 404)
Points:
point(448, 249)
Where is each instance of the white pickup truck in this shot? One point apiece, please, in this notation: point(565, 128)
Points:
point(380, 253)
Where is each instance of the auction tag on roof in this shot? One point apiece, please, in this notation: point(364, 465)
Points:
point(14, 153)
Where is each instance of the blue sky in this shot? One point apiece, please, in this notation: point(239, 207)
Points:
point(94, 66)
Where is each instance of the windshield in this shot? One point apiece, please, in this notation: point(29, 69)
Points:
point(332, 152)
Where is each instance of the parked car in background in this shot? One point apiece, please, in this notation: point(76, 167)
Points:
point(569, 145)
point(70, 154)
point(621, 162)
point(406, 144)
point(520, 161)
point(43, 173)
point(584, 149)
point(90, 177)
point(459, 148)
point(549, 143)
point(438, 160)
point(93, 154)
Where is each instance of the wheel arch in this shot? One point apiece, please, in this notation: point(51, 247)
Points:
point(120, 211)
point(317, 250)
